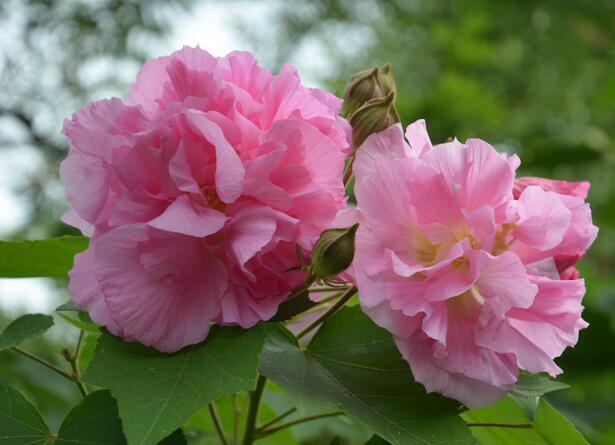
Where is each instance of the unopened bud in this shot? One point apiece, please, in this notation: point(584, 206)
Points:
point(364, 86)
point(333, 252)
point(374, 116)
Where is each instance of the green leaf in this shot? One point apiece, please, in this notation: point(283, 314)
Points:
point(80, 324)
point(353, 365)
point(375, 440)
point(23, 328)
point(535, 385)
point(20, 421)
point(158, 392)
point(94, 421)
point(555, 427)
point(177, 438)
point(40, 258)
point(548, 427)
point(69, 306)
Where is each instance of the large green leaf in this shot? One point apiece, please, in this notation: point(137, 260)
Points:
point(23, 328)
point(158, 392)
point(94, 421)
point(20, 421)
point(375, 440)
point(40, 258)
point(353, 365)
point(176, 438)
point(555, 427)
point(549, 427)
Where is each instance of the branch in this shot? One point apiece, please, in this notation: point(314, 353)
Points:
point(297, 422)
point(36, 138)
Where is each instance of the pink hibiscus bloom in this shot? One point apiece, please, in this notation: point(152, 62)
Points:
point(196, 191)
point(462, 264)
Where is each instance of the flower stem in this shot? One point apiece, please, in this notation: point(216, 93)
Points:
point(269, 431)
point(214, 418)
point(255, 399)
point(327, 289)
point(348, 170)
point(342, 301)
point(275, 420)
point(43, 362)
point(73, 361)
point(501, 425)
point(236, 414)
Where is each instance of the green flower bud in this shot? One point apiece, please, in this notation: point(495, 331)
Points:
point(374, 83)
point(333, 252)
point(374, 116)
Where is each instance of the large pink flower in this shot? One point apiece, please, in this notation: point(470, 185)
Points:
point(196, 191)
point(463, 265)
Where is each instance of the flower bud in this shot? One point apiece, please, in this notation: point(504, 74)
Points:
point(333, 252)
point(363, 86)
point(374, 116)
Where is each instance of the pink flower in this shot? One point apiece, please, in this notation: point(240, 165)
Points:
point(196, 191)
point(462, 264)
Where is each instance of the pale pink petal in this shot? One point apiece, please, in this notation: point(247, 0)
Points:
point(385, 145)
point(502, 281)
point(161, 289)
point(72, 219)
point(229, 169)
point(578, 189)
point(489, 177)
point(551, 323)
point(187, 72)
point(87, 184)
point(249, 231)
point(471, 392)
point(85, 291)
point(186, 217)
point(543, 218)
point(103, 126)
point(417, 136)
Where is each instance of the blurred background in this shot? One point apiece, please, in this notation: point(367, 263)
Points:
point(533, 77)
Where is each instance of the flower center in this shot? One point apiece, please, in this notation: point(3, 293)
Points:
point(213, 200)
point(466, 305)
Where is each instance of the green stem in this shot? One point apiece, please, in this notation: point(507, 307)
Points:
point(74, 363)
point(255, 399)
point(328, 289)
point(341, 302)
point(302, 287)
point(297, 422)
point(43, 362)
point(275, 420)
point(217, 425)
point(236, 414)
point(501, 425)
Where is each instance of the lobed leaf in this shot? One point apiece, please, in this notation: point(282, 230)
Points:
point(353, 365)
point(535, 385)
point(20, 421)
point(548, 426)
point(158, 392)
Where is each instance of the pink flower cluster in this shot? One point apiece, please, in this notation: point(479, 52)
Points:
point(196, 191)
point(471, 270)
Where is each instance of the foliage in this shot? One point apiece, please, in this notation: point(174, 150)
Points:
point(538, 79)
point(351, 368)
